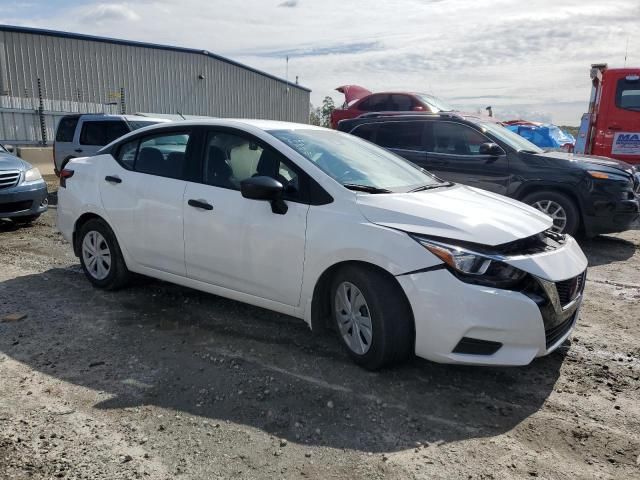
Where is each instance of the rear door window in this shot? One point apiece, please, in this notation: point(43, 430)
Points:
point(401, 135)
point(101, 133)
point(375, 103)
point(400, 103)
point(456, 139)
point(163, 155)
point(366, 131)
point(66, 129)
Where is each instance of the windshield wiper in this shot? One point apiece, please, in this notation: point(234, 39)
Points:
point(431, 187)
point(365, 188)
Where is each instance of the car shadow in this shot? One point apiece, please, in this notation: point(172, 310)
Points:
point(180, 349)
point(604, 249)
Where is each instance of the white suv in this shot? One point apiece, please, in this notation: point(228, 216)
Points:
point(84, 135)
point(329, 228)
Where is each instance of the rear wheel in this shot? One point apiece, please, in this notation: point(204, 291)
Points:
point(372, 316)
point(562, 210)
point(101, 257)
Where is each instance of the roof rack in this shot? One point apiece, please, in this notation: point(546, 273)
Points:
point(411, 114)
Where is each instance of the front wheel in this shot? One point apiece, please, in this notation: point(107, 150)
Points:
point(372, 316)
point(100, 256)
point(562, 210)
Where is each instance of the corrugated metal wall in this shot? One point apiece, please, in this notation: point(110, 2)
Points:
point(154, 79)
point(20, 117)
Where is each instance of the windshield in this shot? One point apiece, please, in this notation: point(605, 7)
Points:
point(512, 139)
point(352, 161)
point(136, 124)
point(436, 103)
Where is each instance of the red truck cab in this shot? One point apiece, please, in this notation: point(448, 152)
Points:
point(611, 127)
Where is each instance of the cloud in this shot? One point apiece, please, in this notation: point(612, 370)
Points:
point(315, 51)
point(531, 57)
point(106, 12)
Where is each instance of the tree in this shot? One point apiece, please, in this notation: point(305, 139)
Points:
point(314, 115)
point(325, 111)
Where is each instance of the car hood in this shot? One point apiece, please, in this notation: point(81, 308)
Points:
point(353, 92)
point(11, 162)
point(591, 160)
point(457, 212)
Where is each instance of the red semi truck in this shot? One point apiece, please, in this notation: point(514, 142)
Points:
point(611, 127)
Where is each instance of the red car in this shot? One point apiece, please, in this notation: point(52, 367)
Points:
point(358, 100)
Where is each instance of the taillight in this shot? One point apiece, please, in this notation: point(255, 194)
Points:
point(64, 175)
point(55, 169)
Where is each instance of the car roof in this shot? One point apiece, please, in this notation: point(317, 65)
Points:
point(111, 116)
point(394, 116)
point(261, 124)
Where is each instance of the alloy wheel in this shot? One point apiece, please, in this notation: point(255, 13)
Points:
point(354, 318)
point(96, 255)
point(555, 211)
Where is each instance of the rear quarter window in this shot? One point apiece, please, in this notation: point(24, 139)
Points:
point(66, 129)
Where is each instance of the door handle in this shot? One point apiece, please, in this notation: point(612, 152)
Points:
point(200, 204)
point(615, 127)
point(79, 150)
point(438, 162)
point(113, 179)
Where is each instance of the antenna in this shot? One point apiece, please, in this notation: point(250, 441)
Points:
point(626, 51)
point(287, 73)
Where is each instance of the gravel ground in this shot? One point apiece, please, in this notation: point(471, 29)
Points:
point(162, 382)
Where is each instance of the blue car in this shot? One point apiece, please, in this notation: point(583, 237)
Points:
point(546, 136)
point(23, 192)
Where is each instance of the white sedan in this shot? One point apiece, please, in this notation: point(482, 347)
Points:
point(329, 228)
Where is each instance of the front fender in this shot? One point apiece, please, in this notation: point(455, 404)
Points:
point(335, 236)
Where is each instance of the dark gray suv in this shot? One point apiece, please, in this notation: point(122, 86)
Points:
point(23, 192)
point(580, 193)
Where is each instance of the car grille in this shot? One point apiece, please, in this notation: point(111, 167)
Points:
point(15, 206)
point(553, 334)
point(9, 178)
point(568, 290)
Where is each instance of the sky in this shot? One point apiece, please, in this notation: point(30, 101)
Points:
point(526, 59)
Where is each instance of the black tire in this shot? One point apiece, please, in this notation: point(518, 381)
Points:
point(393, 333)
point(572, 213)
point(118, 275)
point(25, 220)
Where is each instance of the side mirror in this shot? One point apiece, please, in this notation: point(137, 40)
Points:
point(492, 149)
point(265, 188)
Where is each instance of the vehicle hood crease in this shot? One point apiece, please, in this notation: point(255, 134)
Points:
point(458, 212)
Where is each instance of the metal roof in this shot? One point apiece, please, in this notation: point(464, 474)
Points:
point(133, 43)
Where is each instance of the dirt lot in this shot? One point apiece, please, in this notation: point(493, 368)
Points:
point(163, 382)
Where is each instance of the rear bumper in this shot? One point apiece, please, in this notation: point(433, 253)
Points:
point(24, 200)
point(611, 217)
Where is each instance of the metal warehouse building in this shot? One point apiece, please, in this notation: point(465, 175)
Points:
point(45, 74)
